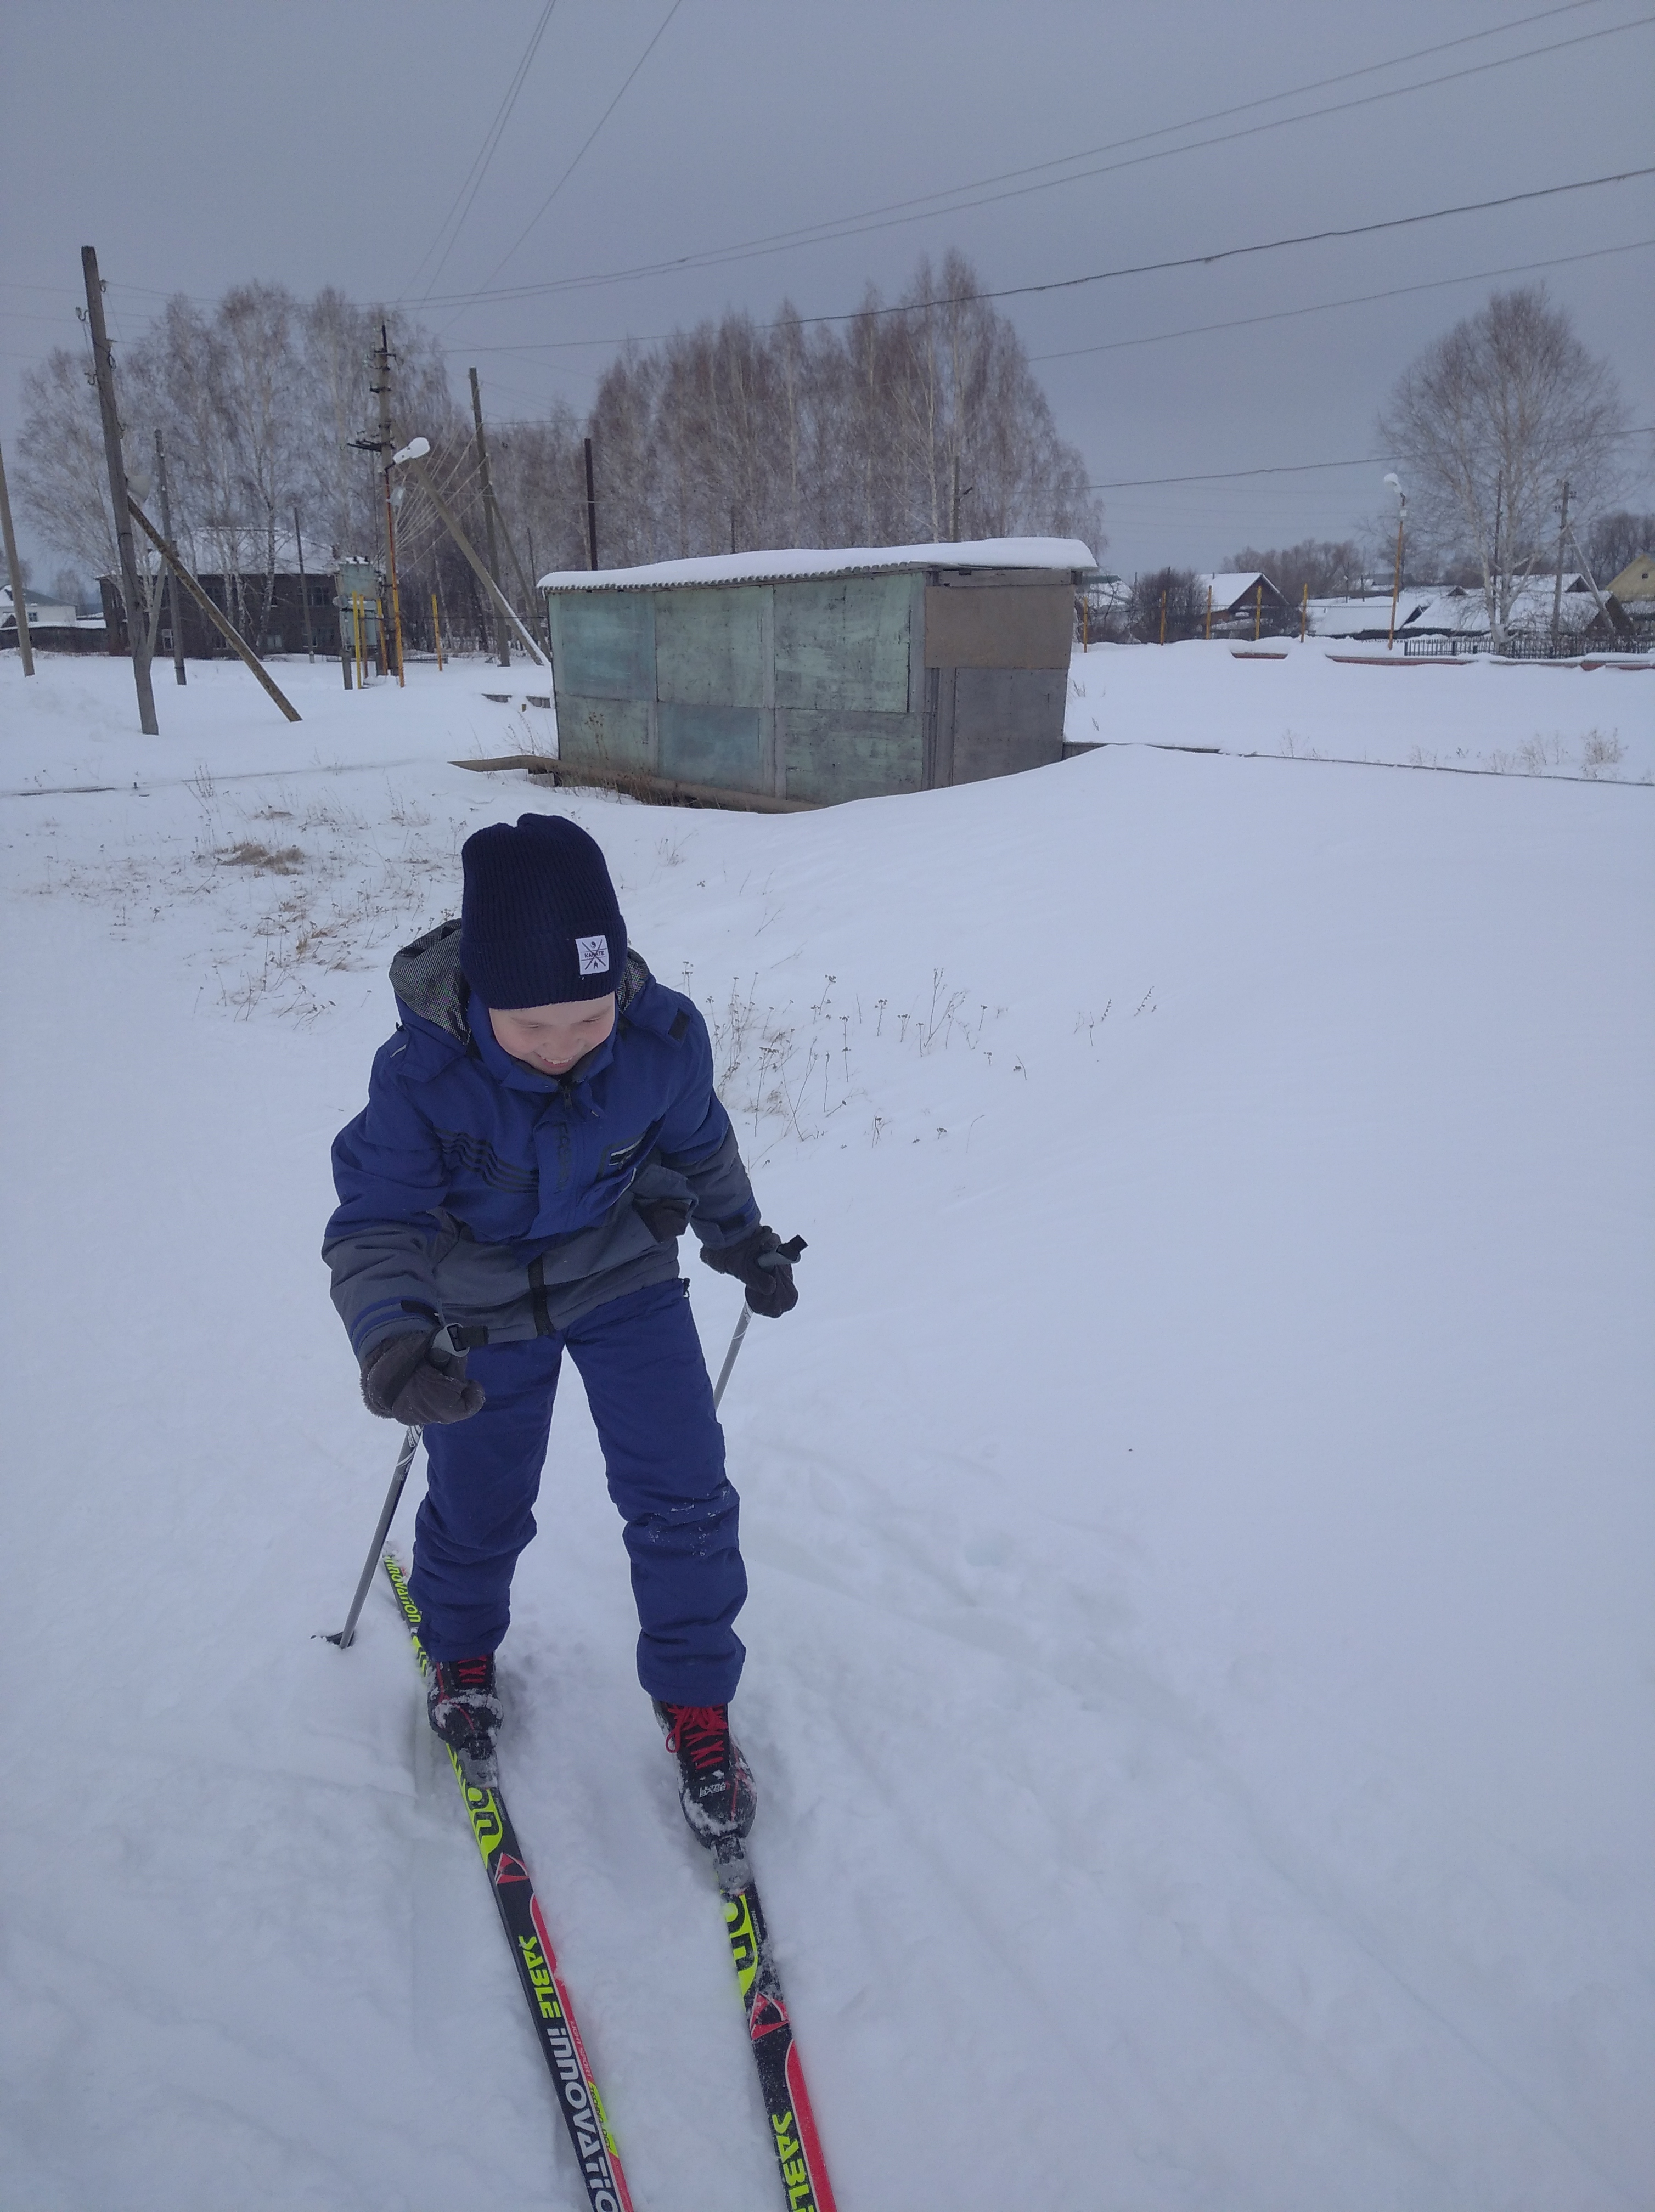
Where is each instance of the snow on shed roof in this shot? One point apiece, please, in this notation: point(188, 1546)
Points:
point(826, 561)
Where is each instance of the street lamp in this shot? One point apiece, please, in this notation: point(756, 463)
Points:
point(1395, 481)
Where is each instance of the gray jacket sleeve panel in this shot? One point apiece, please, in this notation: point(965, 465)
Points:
point(389, 1172)
point(698, 1143)
point(726, 1209)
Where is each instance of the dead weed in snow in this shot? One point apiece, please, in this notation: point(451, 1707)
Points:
point(263, 859)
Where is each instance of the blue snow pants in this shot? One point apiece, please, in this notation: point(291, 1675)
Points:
point(646, 1381)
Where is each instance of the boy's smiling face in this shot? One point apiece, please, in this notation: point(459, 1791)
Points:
point(552, 1038)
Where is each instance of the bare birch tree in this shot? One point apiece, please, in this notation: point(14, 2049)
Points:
point(771, 436)
point(1488, 423)
point(62, 478)
point(734, 433)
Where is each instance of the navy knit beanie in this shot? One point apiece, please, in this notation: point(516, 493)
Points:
point(538, 924)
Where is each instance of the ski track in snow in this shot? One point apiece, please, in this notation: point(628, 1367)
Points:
point(1198, 1516)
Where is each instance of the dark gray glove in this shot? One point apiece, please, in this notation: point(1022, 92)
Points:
point(766, 1265)
point(403, 1380)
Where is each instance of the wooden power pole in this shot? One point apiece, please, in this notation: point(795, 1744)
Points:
point(1562, 541)
point(179, 676)
point(304, 587)
point(591, 511)
point(386, 448)
point(18, 594)
point(413, 457)
point(501, 634)
point(104, 368)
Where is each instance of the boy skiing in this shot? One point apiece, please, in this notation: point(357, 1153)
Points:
point(539, 1133)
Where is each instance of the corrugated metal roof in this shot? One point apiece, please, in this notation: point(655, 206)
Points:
point(779, 567)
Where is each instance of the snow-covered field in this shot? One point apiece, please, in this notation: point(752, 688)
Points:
point(1290, 702)
point(1200, 1515)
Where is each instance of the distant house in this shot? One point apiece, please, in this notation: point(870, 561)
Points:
point(241, 595)
point(1459, 613)
point(1370, 617)
point(1243, 600)
point(803, 677)
point(1634, 586)
point(53, 625)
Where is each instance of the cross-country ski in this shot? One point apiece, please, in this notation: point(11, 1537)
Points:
point(535, 1959)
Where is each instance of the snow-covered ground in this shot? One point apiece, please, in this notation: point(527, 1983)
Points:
point(1290, 701)
point(1200, 1514)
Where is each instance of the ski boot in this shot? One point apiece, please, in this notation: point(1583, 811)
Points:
point(464, 1709)
point(716, 1788)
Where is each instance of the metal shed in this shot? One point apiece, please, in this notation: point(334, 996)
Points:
point(800, 679)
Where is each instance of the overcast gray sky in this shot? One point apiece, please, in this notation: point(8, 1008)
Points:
point(199, 144)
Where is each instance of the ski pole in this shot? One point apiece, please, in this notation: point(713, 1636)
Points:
point(729, 1357)
point(785, 1255)
point(346, 1636)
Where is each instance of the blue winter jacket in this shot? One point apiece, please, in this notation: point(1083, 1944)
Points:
point(476, 1192)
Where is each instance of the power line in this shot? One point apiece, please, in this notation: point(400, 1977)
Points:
point(851, 227)
point(485, 153)
point(1226, 476)
point(586, 143)
point(925, 201)
point(1158, 337)
point(1232, 253)
point(1267, 245)
point(1286, 468)
point(1223, 254)
point(1357, 300)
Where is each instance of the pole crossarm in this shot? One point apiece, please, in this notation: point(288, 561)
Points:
point(174, 560)
point(451, 521)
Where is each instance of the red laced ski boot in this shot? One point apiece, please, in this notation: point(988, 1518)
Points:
point(465, 1710)
point(716, 1788)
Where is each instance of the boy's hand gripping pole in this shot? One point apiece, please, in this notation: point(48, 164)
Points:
point(787, 1255)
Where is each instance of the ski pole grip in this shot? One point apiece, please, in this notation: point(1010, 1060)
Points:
point(785, 1255)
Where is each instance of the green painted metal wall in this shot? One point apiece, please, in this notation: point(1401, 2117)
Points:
point(712, 647)
point(814, 689)
point(843, 644)
point(807, 692)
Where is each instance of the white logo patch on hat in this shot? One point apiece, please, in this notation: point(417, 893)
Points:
point(593, 953)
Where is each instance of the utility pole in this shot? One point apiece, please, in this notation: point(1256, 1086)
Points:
point(1395, 481)
point(953, 503)
point(18, 594)
point(1611, 627)
point(1496, 622)
point(304, 585)
point(179, 676)
point(591, 511)
point(104, 370)
point(414, 456)
point(1562, 540)
point(536, 602)
point(502, 635)
point(386, 450)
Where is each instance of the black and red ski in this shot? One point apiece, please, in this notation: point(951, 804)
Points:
point(549, 2009)
point(781, 2076)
